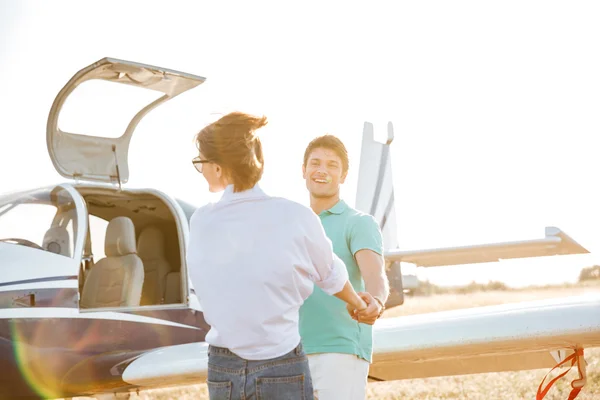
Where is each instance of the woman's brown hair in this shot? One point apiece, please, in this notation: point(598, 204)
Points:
point(232, 143)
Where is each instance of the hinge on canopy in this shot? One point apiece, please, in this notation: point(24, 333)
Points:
point(114, 149)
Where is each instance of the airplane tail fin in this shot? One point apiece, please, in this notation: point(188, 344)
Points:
point(375, 189)
point(375, 196)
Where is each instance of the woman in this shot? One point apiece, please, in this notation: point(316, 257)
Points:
point(253, 259)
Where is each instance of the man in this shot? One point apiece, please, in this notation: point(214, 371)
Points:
point(339, 347)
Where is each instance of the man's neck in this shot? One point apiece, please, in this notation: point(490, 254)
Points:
point(320, 204)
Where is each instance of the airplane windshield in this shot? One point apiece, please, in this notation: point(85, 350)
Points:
point(43, 219)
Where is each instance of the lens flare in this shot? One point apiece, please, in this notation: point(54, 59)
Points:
point(80, 352)
point(36, 374)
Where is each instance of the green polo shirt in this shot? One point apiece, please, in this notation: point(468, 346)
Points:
point(325, 326)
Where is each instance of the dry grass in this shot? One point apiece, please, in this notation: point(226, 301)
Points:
point(445, 302)
point(505, 386)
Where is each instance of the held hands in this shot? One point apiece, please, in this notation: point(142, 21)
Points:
point(366, 315)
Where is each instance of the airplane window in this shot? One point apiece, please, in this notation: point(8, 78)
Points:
point(43, 220)
point(85, 110)
point(24, 221)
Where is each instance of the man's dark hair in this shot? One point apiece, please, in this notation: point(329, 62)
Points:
point(332, 143)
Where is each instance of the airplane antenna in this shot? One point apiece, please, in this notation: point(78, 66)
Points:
point(114, 149)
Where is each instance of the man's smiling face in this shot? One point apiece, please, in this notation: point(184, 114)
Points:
point(323, 173)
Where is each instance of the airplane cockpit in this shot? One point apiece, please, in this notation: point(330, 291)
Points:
point(134, 227)
point(124, 247)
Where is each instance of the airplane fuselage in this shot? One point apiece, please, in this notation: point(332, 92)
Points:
point(52, 343)
point(51, 349)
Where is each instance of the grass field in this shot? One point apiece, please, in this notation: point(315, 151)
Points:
point(506, 385)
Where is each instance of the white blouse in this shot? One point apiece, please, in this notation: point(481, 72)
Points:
point(253, 259)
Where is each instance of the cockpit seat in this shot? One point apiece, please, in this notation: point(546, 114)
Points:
point(57, 240)
point(117, 279)
point(173, 288)
point(151, 249)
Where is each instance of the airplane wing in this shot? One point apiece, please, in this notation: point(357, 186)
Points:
point(555, 242)
point(184, 364)
point(509, 337)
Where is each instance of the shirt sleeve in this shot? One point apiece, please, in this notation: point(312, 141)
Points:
point(366, 235)
point(327, 271)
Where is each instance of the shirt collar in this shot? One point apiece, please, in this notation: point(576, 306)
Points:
point(338, 208)
point(230, 195)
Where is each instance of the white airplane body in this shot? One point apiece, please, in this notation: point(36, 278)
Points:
point(74, 325)
point(511, 337)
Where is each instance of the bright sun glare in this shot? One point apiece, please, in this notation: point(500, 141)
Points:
point(494, 106)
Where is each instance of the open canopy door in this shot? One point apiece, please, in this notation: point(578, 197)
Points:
point(104, 159)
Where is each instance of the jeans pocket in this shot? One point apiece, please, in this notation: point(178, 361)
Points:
point(287, 387)
point(219, 390)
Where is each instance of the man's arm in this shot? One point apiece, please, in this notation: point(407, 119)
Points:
point(372, 269)
point(366, 244)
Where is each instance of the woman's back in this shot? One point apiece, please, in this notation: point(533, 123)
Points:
point(252, 264)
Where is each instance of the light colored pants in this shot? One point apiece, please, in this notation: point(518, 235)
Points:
point(338, 376)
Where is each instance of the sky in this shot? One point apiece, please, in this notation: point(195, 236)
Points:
point(494, 105)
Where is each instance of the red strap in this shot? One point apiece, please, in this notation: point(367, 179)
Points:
point(573, 358)
point(574, 393)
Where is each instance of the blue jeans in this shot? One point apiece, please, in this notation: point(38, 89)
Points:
point(283, 378)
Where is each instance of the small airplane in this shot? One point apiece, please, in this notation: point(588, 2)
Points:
point(74, 323)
